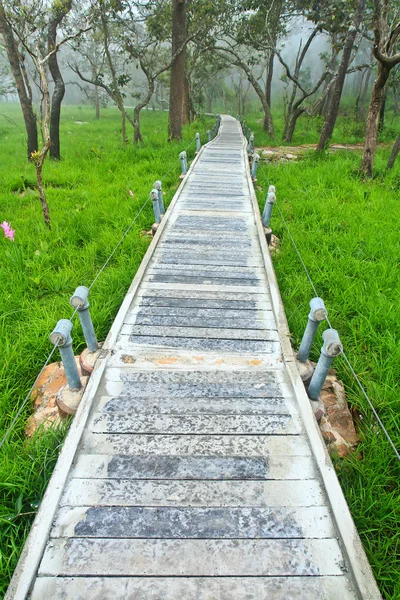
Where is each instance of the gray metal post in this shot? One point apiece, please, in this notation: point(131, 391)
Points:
point(269, 204)
point(317, 314)
point(61, 337)
point(79, 300)
point(332, 347)
point(256, 160)
point(158, 186)
point(248, 134)
point(198, 142)
point(182, 157)
point(250, 145)
point(208, 136)
point(156, 205)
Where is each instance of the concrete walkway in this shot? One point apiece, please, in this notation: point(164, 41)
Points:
point(194, 468)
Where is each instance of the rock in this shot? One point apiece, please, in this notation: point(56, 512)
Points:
point(337, 424)
point(44, 397)
point(68, 400)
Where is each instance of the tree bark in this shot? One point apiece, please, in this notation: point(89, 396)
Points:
point(186, 115)
point(59, 87)
point(333, 106)
point(381, 124)
point(371, 133)
point(394, 153)
point(136, 113)
point(268, 81)
point(23, 94)
point(97, 101)
point(177, 70)
point(363, 101)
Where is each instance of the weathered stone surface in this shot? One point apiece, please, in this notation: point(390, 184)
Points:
point(337, 425)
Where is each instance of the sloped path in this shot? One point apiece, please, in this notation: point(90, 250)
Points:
point(199, 472)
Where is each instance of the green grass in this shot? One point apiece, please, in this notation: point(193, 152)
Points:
point(90, 207)
point(347, 232)
point(308, 129)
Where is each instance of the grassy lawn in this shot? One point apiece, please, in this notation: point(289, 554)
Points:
point(347, 231)
point(348, 234)
point(90, 207)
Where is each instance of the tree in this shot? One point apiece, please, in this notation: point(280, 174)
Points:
point(58, 12)
point(387, 52)
point(21, 82)
point(177, 86)
point(333, 106)
point(394, 153)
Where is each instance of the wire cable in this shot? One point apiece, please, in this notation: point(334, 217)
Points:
point(352, 371)
point(102, 268)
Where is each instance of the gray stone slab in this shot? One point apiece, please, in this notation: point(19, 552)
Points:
point(125, 422)
point(194, 445)
point(230, 272)
point(196, 279)
point(174, 405)
point(213, 223)
point(226, 295)
point(230, 380)
point(202, 321)
point(204, 344)
point(94, 466)
point(139, 492)
point(195, 588)
point(193, 523)
point(186, 304)
point(270, 335)
point(180, 310)
point(82, 556)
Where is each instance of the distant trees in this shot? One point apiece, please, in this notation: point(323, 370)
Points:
point(22, 84)
point(386, 49)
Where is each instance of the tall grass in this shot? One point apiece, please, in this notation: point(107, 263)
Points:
point(90, 207)
point(347, 231)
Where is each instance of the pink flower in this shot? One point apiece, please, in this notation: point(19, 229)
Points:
point(131, 193)
point(8, 232)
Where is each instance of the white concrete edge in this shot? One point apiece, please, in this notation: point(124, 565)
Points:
point(351, 543)
point(28, 564)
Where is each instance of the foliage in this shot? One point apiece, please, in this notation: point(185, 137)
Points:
point(346, 233)
point(91, 206)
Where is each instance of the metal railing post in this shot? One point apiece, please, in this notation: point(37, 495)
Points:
point(61, 337)
point(156, 205)
point(183, 160)
point(331, 347)
point(158, 186)
point(256, 160)
point(269, 204)
point(79, 300)
point(198, 142)
point(317, 314)
point(250, 145)
point(208, 136)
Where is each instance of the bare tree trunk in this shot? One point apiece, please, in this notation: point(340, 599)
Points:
point(186, 102)
point(381, 123)
point(24, 97)
point(359, 92)
point(97, 102)
point(363, 101)
point(371, 133)
point(59, 87)
point(177, 70)
point(394, 153)
point(268, 82)
point(333, 106)
point(291, 126)
point(136, 114)
point(123, 127)
point(40, 157)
